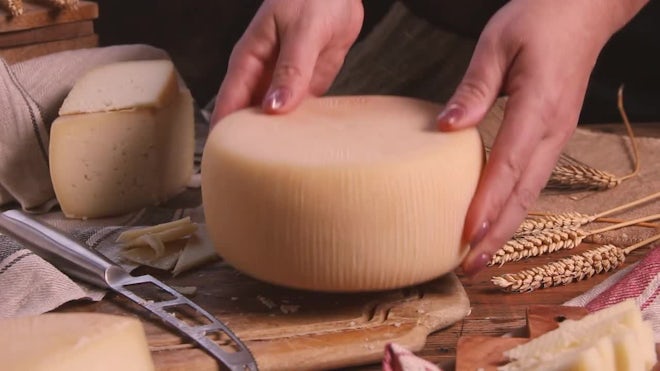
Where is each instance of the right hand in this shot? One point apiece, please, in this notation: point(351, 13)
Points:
point(292, 48)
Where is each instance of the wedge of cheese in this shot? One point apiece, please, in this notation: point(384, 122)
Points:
point(74, 342)
point(124, 140)
point(615, 338)
point(343, 194)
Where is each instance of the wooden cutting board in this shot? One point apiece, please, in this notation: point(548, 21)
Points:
point(290, 329)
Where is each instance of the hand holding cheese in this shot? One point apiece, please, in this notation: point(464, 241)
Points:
point(124, 140)
point(528, 50)
point(342, 194)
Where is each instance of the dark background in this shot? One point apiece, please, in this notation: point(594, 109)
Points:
point(199, 35)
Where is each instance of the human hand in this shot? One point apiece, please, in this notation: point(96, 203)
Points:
point(540, 53)
point(291, 48)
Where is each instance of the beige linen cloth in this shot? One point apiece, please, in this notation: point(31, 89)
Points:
point(31, 93)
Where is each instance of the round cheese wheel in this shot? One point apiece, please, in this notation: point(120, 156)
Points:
point(343, 194)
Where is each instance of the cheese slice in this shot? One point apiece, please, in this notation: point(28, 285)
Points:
point(615, 338)
point(110, 163)
point(343, 194)
point(74, 342)
point(123, 85)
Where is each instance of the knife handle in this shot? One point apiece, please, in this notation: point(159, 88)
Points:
point(65, 253)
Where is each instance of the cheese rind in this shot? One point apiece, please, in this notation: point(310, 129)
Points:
point(74, 342)
point(123, 85)
point(343, 194)
point(110, 163)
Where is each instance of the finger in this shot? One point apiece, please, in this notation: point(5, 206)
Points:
point(244, 72)
point(518, 139)
point(299, 51)
point(327, 67)
point(479, 87)
point(247, 66)
point(516, 207)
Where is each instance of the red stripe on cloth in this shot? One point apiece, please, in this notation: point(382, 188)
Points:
point(632, 285)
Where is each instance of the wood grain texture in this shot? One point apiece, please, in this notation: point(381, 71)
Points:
point(46, 34)
point(35, 15)
point(21, 53)
point(291, 329)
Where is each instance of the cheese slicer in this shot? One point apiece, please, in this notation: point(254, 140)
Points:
point(86, 264)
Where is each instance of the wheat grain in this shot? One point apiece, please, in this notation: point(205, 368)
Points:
point(581, 177)
point(536, 224)
point(543, 242)
point(14, 7)
point(571, 269)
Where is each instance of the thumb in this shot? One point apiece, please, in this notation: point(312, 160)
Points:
point(477, 91)
point(293, 71)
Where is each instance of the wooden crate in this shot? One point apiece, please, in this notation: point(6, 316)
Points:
point(41, 30)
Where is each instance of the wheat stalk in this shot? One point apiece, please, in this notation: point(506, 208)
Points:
point(544, 241)
point(571, 174)
point(14, 7)
point(571, 269)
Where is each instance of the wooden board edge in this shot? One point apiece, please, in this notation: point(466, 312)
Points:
point(48, 33)
point(22, 53)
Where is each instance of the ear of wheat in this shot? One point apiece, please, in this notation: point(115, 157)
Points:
point(571, 174)
point(543, 241)
point(571, 269)
point(544, 233)
point(581, 177)
point(536, 224)
point(14, 7)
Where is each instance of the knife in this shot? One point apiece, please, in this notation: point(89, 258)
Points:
point(86, 264)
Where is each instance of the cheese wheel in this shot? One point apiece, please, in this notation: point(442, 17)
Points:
point(74, 342)
point(343, 194)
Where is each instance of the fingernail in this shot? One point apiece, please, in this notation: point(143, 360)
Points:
point(476, 265)
point(276, 99)
point(479, 234)
point(450, 116)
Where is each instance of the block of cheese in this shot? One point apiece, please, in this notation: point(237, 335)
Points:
point(343, 194)
point(615, 338)
point(132, 147)
point(74, 342)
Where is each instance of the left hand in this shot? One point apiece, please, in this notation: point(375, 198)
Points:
point(541, 54)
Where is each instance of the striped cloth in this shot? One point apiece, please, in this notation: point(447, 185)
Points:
point(639, 281)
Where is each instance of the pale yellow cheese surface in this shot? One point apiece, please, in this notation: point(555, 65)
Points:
point(73, 342)
point(615, 338)
point(109, 163)
point(123, 85)
point(343, 194)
